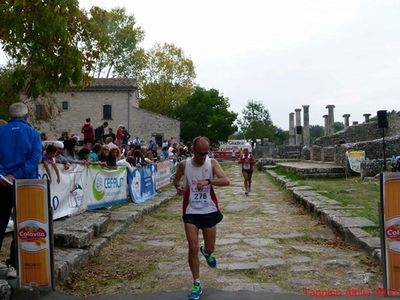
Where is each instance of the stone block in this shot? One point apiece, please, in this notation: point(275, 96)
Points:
point(73, 238)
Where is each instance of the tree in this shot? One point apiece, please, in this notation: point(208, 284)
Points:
point(50, 44)
point(337, 126)
point(316, 131)
point(256, 122)
point(206, 113)
point(167, 80)
point(120, 36)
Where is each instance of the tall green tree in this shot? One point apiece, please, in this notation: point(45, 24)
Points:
point(206, 113)
point(121, 55)
point(50, 43)
point(167, 79)
point(256, 122)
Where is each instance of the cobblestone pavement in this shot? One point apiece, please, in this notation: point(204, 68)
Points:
point(266, 242)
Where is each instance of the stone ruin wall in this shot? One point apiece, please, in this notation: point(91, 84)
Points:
point(351, 134)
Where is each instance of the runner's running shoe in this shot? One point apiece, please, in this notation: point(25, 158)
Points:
point(196, 291)
point(210, 259)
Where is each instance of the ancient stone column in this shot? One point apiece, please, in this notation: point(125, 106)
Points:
point(298, 123)
point(366, 116)
point(331, 119)
point(292, 139)
point(346, 120)
point(325, 124)
point(306, 125)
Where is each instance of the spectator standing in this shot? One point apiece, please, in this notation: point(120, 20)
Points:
point(126, 137)
point(99, 132)
point(88, 133)
point(110, 134)
point(19, 163)
point(120, 135)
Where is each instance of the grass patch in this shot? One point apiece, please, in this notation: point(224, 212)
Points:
point(290, 175)
point(351, 191)
point(374, 231)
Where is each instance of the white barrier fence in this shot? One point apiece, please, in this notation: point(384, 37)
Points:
point(90, 187)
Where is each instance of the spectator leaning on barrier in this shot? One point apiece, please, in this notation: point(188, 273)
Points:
point(49, 159)
point(60, 159)
point(20, 163)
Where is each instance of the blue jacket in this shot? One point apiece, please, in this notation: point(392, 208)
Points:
point(20, 150)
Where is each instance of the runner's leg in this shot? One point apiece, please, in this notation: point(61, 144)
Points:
point(209, 235)
point(192, 236)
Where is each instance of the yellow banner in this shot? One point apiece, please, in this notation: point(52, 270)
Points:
point(33, 233)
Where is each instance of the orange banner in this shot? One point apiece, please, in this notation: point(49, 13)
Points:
point(33, 233)
point(391, 217)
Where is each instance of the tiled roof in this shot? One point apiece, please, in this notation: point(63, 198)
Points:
point(109, 84)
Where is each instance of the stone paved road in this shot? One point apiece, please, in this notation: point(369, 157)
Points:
point(266, 242)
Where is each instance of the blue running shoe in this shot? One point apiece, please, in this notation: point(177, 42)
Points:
point(196, 291)
point(210, 259)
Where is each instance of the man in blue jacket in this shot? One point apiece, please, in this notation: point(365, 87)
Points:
point(19, 160)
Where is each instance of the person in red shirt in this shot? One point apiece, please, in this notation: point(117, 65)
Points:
point(120, 135)
point(247, 161)
point(88, 133)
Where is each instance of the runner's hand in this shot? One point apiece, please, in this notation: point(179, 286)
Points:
point(180, 190)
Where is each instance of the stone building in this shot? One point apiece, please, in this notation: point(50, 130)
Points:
point(113, 100)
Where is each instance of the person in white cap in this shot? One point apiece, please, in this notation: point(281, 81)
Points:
point(60, 159)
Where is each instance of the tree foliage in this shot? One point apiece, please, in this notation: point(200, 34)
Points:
point(256, 122)
point(206, 113)
point(316, 131)
point(167, 80)
point(50, 43)
point(119, 39)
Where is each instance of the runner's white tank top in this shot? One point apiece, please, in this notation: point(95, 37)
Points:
point(199, 201)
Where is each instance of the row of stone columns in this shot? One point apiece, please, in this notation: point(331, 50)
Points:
point(296, 138)
point(303, 136)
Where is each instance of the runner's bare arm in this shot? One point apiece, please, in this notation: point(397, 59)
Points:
point(221, 179)
point(180, 171)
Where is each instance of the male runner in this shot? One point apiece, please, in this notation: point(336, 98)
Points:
point(247, 161)
point(200, 206)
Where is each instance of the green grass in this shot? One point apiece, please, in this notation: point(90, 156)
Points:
point(290, 175)
point(349, 192)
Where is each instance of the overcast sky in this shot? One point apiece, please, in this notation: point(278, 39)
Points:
point(284, 53)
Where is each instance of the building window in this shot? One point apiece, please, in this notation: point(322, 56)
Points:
point(65, 105)
point(40, 112)
point(107, 112)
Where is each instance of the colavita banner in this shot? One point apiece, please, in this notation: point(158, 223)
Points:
point(33, 232)
point(391, 239)
point(355, 157)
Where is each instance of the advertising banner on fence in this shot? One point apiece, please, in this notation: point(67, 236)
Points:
point(163, 173)
point(141, 183)
point(355, 158)
point(67, 196)
point(106, 187)
point(33, 219)
point(391, 232)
